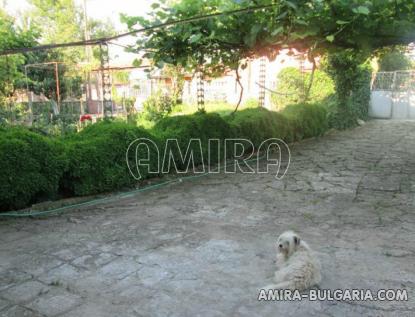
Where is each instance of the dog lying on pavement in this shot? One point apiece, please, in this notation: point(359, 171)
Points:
point(297, 266)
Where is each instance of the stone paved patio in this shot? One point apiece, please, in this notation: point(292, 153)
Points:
point(205, 247)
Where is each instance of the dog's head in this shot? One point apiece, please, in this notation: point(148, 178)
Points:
point(288, 242)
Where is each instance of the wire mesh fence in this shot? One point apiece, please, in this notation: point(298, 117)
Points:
point(393, 95)
point(398, 81)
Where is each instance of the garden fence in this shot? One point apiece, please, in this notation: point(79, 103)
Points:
point(393, 95)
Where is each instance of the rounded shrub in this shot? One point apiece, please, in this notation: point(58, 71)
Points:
point(31, 166)
point(260, 124)
point(97, 158)
point(203, 126)
point(158, 106)
point(394, 60)
point(307, 120)
point(291, 85)
point(251, 103)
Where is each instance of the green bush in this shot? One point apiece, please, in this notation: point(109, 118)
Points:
point(394, 60)
point(97, 158)
point(340, 118)
point(352, 81)
point(307, 120)
point(220, 107)
point(360, 95)
point(158, 106)
point(36, 167)
point(291, 85)
point(251, 103)
point(260, 124)
point(203, 126)
point(127, 103)
point(31, 166)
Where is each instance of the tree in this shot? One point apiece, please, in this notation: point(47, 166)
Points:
point(42, 79)
point(60, 22)
point(51, 21)
point(304, 25)
point(176, 74)
point(12, 36)
point(394, 59)
point(292, 83)
point(195, 46)
point(99, 29)
point(314, 27)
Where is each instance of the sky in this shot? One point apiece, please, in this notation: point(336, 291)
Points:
point(100, 9)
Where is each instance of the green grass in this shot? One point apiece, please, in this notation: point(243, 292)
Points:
point(221, 108)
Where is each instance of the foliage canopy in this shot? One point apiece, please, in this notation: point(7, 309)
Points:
point(312, 26)
point(13, 36)
point(393, 60)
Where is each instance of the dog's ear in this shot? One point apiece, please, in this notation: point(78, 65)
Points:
point(296, 240)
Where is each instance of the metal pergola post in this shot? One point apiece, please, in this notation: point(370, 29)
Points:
point(262, 79)
point(106, 80)
point(58, 94)
point(200, 91)
point(29, 96)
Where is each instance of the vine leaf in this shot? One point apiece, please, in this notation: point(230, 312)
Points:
point(278, 30)
point(195, 38)
point(361, 10)
point(330, 38)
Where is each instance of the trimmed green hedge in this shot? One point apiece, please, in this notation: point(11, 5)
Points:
point(36, 167)
point(203, 126)
point(260, 124)
point(31, 166)
point(97, 158)
point(307, 120)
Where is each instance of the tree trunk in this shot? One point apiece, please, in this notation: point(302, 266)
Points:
point(310, 84)
point(238, 80)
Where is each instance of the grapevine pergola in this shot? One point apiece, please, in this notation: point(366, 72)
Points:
point(218, 35)
point(311, 27)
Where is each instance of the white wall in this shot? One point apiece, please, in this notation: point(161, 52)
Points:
point(225, 88)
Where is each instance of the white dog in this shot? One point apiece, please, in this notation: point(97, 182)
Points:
point(297, 267)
